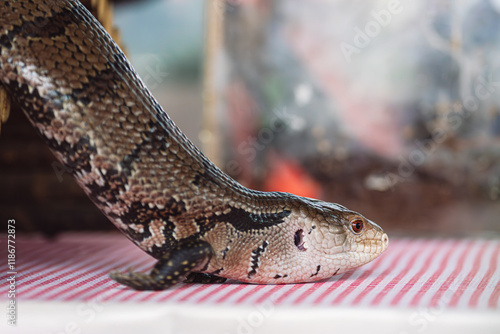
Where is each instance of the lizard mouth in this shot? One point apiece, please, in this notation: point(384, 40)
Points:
point(375, 246)
point(372, 247)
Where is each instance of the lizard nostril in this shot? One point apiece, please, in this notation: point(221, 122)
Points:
point(385, 240)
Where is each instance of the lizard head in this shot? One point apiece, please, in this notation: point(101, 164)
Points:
point(337, 238)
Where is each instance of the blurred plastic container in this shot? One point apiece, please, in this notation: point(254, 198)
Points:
point(390, 108)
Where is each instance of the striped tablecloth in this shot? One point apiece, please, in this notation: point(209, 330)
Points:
point(411, 273)
point(418, 274)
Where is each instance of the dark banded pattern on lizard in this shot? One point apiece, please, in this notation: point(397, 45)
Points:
point(87, 102)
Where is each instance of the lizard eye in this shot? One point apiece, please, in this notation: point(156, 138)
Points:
point(357, 226)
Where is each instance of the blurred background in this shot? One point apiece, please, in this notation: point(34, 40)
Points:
point(390, 108)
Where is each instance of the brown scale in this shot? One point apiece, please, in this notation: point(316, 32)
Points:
point(84, 98)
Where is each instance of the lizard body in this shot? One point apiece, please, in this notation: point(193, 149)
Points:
point(84, 98)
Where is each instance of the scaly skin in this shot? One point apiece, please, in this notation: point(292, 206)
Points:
point(87, 102)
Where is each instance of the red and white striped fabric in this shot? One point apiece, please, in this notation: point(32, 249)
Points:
point(412, 273)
